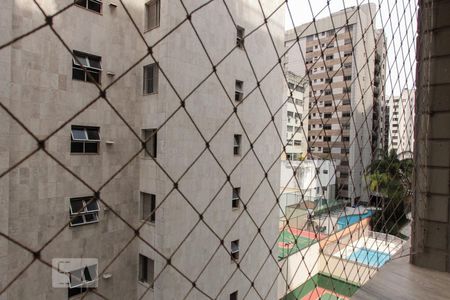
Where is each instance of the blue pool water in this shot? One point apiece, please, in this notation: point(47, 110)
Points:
point(369, 257)
point(346, 221)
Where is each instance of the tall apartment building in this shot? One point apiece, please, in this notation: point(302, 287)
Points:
point(342, 93)
point(46, 88)
point(294, 120)
point(379, 98)
point(401, 127)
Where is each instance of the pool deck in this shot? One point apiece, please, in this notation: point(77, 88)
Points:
point(399, 279)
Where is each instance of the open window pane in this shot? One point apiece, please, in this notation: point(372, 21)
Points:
point(79, 134)
point(92, 205)
point(76, 205)
point(150, 136)
point(93, 134)
point(148, 207)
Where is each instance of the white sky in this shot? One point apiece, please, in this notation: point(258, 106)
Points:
point(401, 50)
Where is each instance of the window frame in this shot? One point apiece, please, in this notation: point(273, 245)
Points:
point(86, 6)
point(74, 215)
point(234, 250)
point(148, 4)
point(84, 285)
point(155, 79)
point(240, 37)
point(235, 198)
point(238, 90)
point(237, 144)
point(85, 141)
point(78, 67)
point(151, 217)
point(149, 278)
point(153, 152)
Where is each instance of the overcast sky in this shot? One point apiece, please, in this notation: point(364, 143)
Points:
point(401, 50)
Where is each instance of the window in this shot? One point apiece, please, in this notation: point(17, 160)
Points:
point(328, 92)
point(329, 57)
point(83, 210)
point(94, 5)
point(84, 139)
point(234, 295)
point(146, 269)
point(151, 144)
point(297, 143)
point(152, 11)
point(148, 205)
point(309, 49)
point(326, 150)
point(327, 138)
point(91, 63)
point(347, 53)
point(346, 102)
point(347, 41)
point(346, 139)
point(150, 79)
point(237, 144)
point(325, 171)
point(328, 80)
point(330, 68)
point(349, 77)
point(239, 90)
point(346, 90)
point(327, 115)
point(346, 114)
point(80, 280)
point(236, 196)
point(240, 32)
point(235, 250)
point(330, 32)
point(309, 38)
point(330, 45)
point(290, 128)
point(347, 65)
point(308, 61)
point(327, 103)
point(327, 126)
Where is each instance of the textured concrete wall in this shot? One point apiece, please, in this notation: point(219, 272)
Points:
point(37, 87)
point(431, 226)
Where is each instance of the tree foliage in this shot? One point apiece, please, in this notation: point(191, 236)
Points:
point(389, 180)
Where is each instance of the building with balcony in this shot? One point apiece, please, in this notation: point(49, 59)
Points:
point(401, 127)
point(341, 122)
point(295, 122)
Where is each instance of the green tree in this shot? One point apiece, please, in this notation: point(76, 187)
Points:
point(389, 180)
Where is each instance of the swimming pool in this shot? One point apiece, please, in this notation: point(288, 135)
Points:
point(369, 257)
point(348, 220)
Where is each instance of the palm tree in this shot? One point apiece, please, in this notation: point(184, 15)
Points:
point(390, 179)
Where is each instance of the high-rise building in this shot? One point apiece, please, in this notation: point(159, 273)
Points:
point(343, 88)
point(295, 121)
point(379, 99)
point(91, 191)
point(401, 127)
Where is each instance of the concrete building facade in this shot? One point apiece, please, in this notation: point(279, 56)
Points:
point(342, 91)
point(294, 120)
point(46, 88)
point(401, 128)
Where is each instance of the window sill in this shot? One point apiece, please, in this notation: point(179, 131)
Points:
point(147, 158)
point(75, 153)
point(151, 29)
point(147, 285)
point(149, 223)
point(149, 94)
